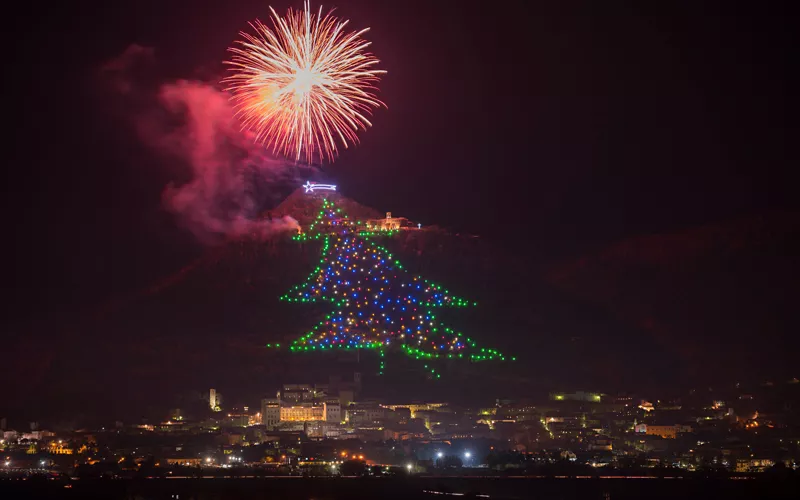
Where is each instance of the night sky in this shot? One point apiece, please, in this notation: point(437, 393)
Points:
point(637, 160)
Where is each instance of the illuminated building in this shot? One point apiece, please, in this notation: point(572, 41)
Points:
point(521, 412)
point(753, 465)
point(238, 417)
point(214, 400)
point(188, 461)
point(333, 411)
point(302, 413)
point(565, 426)
point(320, 429)
point(365, 414)
point(270, 412)
point(297, 393)
point(665, 431)
point(388, 224)
point(37, 435)
point(415, 407)
point(430, 417)
point(59, 448)
point(600, 444)
point(591, 397)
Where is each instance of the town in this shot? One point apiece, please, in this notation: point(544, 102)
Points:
point(330, 430)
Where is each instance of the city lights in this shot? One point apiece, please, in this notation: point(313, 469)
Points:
point(282, 457)
point(607, 196)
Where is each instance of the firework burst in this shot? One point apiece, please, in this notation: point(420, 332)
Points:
point(304, 85)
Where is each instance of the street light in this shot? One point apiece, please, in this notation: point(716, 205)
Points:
point(409, 467)
point(467, 455)
point(439, 454)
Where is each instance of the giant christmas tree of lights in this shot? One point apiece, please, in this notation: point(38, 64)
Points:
point(378, 304)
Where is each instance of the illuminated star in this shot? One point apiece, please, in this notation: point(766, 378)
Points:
point(310, 187)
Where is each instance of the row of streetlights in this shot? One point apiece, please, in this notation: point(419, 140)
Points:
point(42, 463)
point(440, 454)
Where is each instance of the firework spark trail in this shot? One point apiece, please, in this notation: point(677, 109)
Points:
point(304, 83)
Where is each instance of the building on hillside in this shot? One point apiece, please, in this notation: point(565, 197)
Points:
point(303, 412)
point(59, 447)
point(591, 397)
point(38, 435)
point(214, 400)
point(323, 429)
point(415, 407)
point(600, 443)
point(297, 393)
point(270, 413)
point(753, 464)
point(332, 411)
point(359, 414)
point(185, 461)
point(388, 224)
point(238, 417)
point(665, 431)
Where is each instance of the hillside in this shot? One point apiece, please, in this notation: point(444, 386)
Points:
point(304, 207)
point(621, 318)
point(208, 323)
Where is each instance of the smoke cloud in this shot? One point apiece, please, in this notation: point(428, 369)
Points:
point(231, 178)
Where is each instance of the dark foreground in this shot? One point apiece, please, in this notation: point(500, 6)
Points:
point(405, 488)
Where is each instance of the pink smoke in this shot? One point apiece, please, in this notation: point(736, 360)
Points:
point(212, 143)
point(218, 202)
